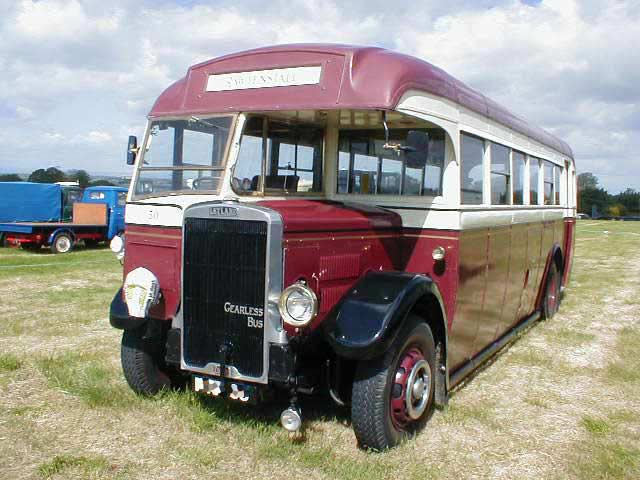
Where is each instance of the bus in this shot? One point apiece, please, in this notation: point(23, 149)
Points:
point(336, 220)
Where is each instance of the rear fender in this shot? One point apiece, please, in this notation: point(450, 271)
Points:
point(367, 319)
point(555, 256)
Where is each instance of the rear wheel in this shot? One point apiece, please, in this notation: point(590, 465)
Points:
point(551, 300)
point(143, 363)
point(393, 395)
point(63, 243)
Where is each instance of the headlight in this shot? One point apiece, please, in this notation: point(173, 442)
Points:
point(298, 305)
point(116, 245)
point(141, 290)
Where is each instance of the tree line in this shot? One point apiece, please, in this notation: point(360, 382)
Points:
point(593, 199)
point(53, 175)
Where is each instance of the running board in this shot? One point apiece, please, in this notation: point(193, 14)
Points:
point(462, 372)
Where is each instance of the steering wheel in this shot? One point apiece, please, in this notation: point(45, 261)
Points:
point(205, 183)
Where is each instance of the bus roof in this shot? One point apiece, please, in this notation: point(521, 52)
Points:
point(352, 77)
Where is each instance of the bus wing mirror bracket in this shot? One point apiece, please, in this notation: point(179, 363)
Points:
point(132, 149)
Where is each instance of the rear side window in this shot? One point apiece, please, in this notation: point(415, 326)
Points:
point(500, 174)
point(519, 165)
point(472, 169)
point(534, 171)
point(122, 199)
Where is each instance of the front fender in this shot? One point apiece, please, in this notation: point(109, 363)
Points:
point(367, 319)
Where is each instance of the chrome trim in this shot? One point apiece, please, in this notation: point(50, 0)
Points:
point(273, 329)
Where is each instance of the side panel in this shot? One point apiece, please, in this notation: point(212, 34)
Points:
point(518, 266)
point(158, 249)
point(499, 246)
point(472, 280)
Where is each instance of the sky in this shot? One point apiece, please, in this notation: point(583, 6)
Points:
point(77, 77)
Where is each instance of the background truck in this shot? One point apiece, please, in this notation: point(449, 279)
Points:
point(98, 217)
point(37, 202)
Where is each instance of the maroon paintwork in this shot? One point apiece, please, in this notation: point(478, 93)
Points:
point(351, 78)
point(158, 249)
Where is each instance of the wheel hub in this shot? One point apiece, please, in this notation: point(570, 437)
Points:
point(411, 390)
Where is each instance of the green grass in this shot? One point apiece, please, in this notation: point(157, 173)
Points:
point(9, 362)
point(87, 377)
point(88, 466)
point(596, 426)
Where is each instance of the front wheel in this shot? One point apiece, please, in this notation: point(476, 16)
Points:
point(392, 396)
point(143, 363)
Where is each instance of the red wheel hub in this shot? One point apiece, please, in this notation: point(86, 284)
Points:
point(412, 382)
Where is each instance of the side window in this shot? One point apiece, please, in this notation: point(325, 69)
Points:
point(472, 169)
point(364, 166)
point(534, 171)
point(500, 174)
point(548, 182)
point(96, 195)
point(519, 165)
point(122, 199)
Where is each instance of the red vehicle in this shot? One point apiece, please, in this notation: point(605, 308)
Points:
point(338, 220)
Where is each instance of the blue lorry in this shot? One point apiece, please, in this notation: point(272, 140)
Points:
point(37, 219)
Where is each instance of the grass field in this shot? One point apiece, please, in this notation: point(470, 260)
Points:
point(562, 402)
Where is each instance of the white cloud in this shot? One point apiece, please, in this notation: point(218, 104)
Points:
point(88, 71)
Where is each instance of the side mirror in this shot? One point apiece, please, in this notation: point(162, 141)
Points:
point(132, 149)
point(416, 149)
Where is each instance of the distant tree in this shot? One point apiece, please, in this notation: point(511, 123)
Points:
point(617, 210)
point(50, 175)
point(80, 176)
point(593, 196)
point(587, 180)
point(11, 177)
point(101, 183)
point(630, 199)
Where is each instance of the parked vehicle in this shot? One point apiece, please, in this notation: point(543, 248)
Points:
point(37, 202)
point(337, 220)
point(98, 217)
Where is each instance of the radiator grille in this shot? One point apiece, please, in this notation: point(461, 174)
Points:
point(224, 264)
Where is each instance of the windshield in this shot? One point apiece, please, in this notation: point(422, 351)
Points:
point(183, 156)
point(291, 153)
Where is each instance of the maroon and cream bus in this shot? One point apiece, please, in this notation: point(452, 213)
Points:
point(338, 220)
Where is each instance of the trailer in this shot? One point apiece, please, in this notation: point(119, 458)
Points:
point(98, 217)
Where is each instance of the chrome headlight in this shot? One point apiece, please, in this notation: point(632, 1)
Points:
point(298, 305)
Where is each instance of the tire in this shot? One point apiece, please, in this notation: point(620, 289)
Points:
point(143, 363)
point(551, 299)
point(63, 243)
point(379, 406)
